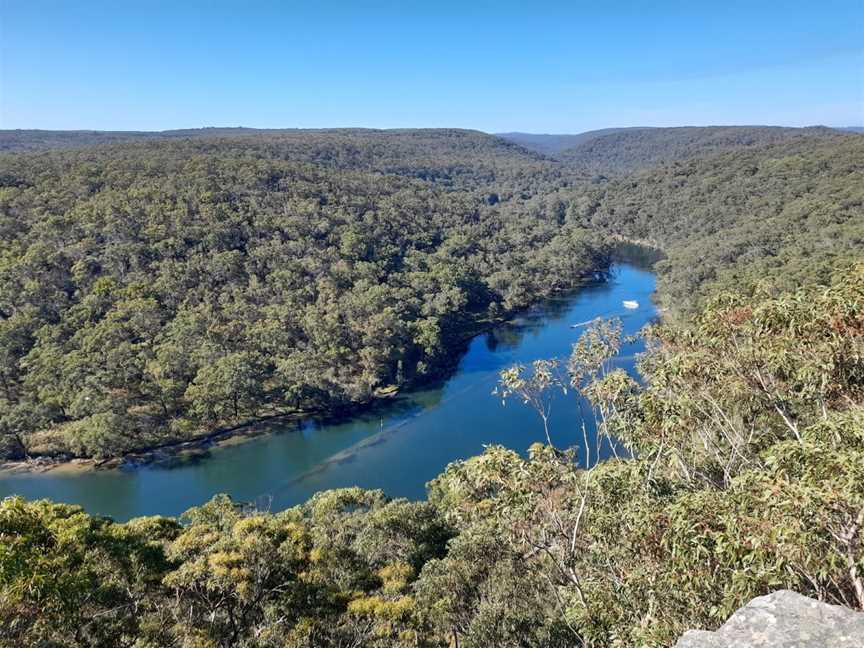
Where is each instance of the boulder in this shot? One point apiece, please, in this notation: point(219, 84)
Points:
point(783, 619)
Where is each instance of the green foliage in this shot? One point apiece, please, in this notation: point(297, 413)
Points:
point(71, 579)
point(554, 145)
point(152, 291)
point(625, 150)
point(776, 217)
point(749, 373)
point(336, 571)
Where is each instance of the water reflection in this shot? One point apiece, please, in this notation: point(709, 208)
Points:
point(398, 445)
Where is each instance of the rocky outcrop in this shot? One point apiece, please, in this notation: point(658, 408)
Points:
point(783, 619)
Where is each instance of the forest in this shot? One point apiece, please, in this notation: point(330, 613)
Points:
point(549, 145)
point(623, 151)
point(154, 289)
point(784, 214)
point(151, 292)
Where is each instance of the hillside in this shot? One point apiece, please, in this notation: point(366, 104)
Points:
point(630, 150)
point(43, 140)
point(40, 140)
point(21, 140)
point(319, 233)
point(447, 157)
point(553, 145)
point(191, 283)
point(787, 213)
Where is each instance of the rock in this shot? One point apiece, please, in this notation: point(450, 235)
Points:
point(783, 619)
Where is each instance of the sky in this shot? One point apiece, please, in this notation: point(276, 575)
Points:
point(535, 66)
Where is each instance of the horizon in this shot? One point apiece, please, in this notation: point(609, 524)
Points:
point(408, 128)
point(555, 68)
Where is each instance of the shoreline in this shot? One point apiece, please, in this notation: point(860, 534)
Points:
point(246, 430)
point(141, 457)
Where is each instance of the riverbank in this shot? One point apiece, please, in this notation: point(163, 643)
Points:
point(238, 432)
point(142, 456)
point(396, 444)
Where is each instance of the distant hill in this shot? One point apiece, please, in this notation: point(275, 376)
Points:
point(41, 140)
point(603, 151)
point(788, 212)
point(629, 150)
point(447, 156)
point(552, 145)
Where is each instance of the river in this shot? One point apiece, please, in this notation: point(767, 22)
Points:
point(397, 445)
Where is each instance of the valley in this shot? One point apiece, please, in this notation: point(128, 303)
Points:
point(601, 394)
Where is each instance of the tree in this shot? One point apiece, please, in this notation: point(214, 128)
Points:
point(227, 388)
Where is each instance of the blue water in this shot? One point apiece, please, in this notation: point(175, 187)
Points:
point(397, 446)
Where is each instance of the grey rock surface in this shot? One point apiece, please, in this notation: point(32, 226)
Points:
point(783, 619)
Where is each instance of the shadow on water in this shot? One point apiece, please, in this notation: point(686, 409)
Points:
point(638, 255)
point(398, 444)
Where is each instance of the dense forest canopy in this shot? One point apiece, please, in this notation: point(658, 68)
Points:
point(189, 283)
point(22, 140)
point(39, 140)
point(785, 213)
point(441, 155)
point(628, 150)
point(153, 289)
point(551, 145)
point(182, 285)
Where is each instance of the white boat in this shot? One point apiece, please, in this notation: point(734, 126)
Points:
point(629, 303)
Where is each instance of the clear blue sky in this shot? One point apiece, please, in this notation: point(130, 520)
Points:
point(533, 66)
